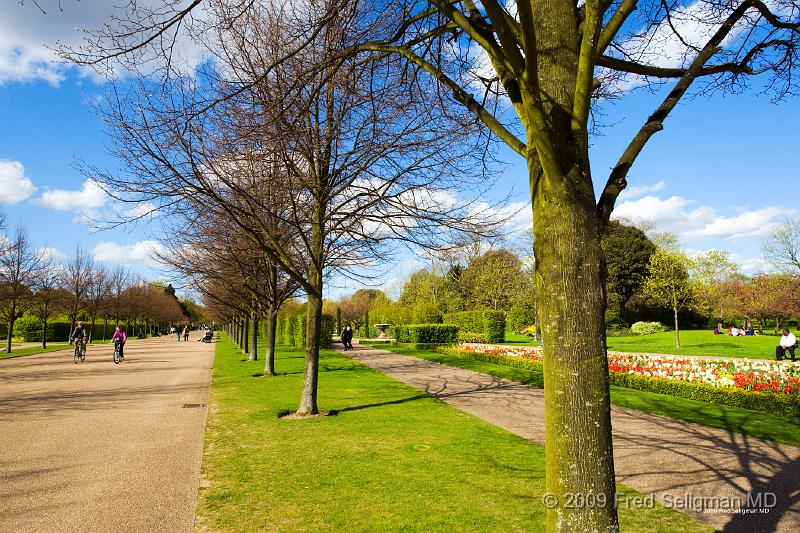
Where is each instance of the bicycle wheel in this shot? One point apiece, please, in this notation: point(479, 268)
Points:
point(117, 356)
point(83, 353)
point(77, 355)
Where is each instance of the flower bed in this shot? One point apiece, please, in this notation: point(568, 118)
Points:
point(754, 375)
point(769, 386)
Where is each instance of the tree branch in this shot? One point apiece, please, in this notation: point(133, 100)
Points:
point(617, 180)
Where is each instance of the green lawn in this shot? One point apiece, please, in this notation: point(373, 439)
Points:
point(693, 342)
point(698, 342)
point(389, 459)
point(20, 352)
point(757, 424)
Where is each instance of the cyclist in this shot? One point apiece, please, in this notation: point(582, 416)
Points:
point(80, 333)
point(120, 337)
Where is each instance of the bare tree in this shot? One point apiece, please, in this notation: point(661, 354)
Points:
point(346, 155)
point(76, 280)
point(98, 291)
point(49, 298)
point(120, 278)
point(19, 267)
point(783, 248)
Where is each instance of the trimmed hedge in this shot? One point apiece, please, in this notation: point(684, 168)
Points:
point(299, 330)
point(427, 334)
point(492, 324)
point(780, 404)
point(289, 330)
point(29, 329)
point(293, 328)
point(326, 331)
point(468, 336)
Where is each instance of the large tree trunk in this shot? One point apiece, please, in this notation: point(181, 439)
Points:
point(44, 334)
point(272, 323)
point(308, 398)
point(578, 445)
point(677, 331)
point(253, 334)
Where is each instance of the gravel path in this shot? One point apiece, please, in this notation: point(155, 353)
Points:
point(103, 447)
point(700, 470)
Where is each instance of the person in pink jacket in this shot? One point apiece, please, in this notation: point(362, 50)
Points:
point(120, 337)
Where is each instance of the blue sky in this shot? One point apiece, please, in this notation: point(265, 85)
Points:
point(720, 175)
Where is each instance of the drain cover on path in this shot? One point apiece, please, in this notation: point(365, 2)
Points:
point(193, 405)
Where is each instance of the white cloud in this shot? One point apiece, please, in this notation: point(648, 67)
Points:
point(676, 214)
point(28, 36)
point(636, 191)
point(140, 253)
point(14, 184)
point(752, 265)
point(83, 201)
point(49, 253)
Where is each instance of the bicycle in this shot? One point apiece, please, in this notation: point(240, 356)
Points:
point(80, 351)
point(118, 352)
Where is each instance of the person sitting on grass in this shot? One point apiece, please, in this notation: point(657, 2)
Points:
point(788, 342)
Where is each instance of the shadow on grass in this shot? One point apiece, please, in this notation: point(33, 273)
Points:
point(336, 412)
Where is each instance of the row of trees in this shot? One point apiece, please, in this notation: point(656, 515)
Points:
point(345, 119)
point(713, 286)
point(32, 282)
point(496, 280)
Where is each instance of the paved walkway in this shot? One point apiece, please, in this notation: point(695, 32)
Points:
point(656, 455)
point(102, 447)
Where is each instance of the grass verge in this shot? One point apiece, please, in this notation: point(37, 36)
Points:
point(693, 342)
point(389, 458)
point(737, 420)
point(21, 352)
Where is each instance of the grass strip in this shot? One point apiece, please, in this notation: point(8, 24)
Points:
point(390, 458)
point(32, 350)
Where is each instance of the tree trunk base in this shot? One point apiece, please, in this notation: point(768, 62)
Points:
point(295, 415)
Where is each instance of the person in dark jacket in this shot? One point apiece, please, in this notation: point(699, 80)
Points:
point(347, 337)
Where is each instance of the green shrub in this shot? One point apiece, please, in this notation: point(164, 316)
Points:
point(289, 330)
point(491, 323)
point(647, 328)
point(468, 336)
point(299, 330)
point(427, 334)
point(427, 313)
point(520, 316)
point(494, 326)
point(29, 329)
point(466, 320)
point(279, 330)
point(326, 331)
